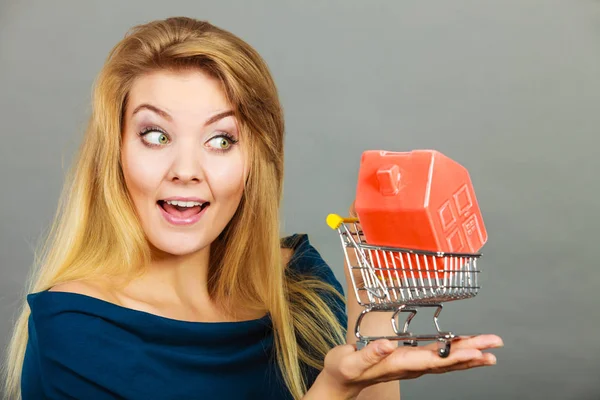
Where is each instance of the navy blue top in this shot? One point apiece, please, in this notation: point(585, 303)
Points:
point(81, 347)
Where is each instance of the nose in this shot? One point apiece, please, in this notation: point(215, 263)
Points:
point(186, 166)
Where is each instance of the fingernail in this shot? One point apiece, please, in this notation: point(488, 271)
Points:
point(492, 360)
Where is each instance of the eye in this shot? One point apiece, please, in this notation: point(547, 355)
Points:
point(222, 142)
point(154, 137)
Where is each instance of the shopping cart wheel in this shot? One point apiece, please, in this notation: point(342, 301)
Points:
point(444, 349)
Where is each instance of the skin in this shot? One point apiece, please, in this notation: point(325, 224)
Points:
point(182, 158)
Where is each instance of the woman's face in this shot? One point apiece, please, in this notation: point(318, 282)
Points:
point(183, 159)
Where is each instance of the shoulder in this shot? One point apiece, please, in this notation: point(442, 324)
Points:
point(306, 260)
point(306, 265)
point(68, 308)
point(304, 257)
point(298, 247)
point(67, 327)
point(72, 308)
point(286, 255)
point(96, 289)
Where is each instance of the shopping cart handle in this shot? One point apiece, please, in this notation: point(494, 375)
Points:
point(334, 221)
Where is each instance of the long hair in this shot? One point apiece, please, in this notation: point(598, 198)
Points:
point(96, 232)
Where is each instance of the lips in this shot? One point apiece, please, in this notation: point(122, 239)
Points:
point(182, 212)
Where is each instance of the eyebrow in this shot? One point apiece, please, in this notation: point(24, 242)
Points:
point(168, 117)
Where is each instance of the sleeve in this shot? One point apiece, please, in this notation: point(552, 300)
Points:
point(306, 260)
point(71, 355)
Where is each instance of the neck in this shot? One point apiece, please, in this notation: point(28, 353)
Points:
point(178, 279)
point(178, 286)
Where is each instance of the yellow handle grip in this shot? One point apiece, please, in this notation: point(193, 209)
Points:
point(334, 221)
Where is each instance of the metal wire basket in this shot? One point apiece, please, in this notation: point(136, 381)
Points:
point(388, 279)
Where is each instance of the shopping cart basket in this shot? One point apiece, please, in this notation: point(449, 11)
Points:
point(401, 280)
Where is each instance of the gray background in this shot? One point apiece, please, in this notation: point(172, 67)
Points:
point(509, 88)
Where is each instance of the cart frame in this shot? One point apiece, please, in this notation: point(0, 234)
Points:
point(401, 280)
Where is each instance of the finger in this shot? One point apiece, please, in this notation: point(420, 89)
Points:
point(487, 359)
point(354, 365)
point(480, 342)
point(406, 361)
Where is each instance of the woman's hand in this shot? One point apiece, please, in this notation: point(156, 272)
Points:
point(347, 371)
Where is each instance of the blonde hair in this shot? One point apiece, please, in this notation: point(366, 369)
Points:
point(96, 232)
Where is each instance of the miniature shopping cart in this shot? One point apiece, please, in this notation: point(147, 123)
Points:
point(389, 279)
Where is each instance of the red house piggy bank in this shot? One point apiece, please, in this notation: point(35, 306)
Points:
point(419, 200)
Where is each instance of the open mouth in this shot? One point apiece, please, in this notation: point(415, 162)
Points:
point(182, 209)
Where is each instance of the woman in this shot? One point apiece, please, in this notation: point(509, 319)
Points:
point(165, 276)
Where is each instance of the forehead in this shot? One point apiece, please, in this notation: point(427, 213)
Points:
point(186, 92)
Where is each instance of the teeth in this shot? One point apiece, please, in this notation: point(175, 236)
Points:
point(184, 203)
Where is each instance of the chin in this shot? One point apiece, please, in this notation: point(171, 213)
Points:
point(180, 248)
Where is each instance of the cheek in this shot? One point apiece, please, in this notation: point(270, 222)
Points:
point(142, 175)
point(226, 176)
